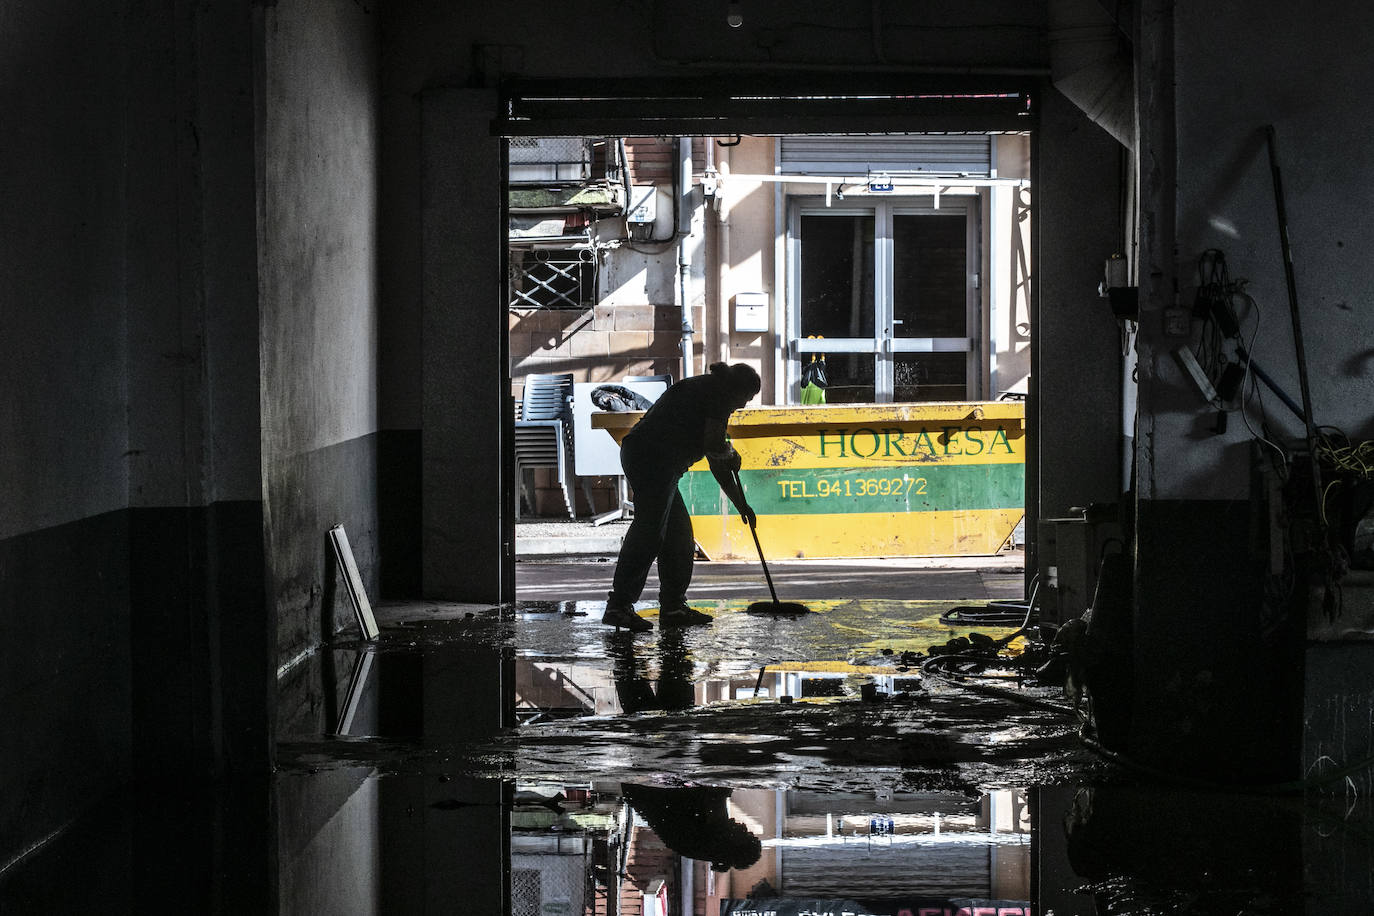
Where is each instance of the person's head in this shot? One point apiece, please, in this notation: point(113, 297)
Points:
point(739, 850)
point(743, 381)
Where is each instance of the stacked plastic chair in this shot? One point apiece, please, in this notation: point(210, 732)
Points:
point(543, 434)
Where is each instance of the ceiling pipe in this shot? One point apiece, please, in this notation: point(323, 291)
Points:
point(1091, 64)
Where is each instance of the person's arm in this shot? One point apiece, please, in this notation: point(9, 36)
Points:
point(725, 461)
point(717, 446)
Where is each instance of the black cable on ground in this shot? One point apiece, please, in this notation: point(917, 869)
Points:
point(928, 667)
point(995, 613)
point(987, 616)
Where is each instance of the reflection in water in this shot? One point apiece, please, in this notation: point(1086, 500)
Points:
point(448, 769)
point(1131, 849)
point(836, 793)
point(708, 850)
point(674, 689)
point(693, 822)
point(693, 848)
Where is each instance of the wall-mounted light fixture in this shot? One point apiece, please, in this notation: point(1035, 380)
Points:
point(734, 14)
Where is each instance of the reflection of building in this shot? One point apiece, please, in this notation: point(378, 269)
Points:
point(903, 260)
point(554, 690)
point(821, 845)
point(551, 690)
point(816, 845)
point(558, 835)
point(548, 873)
point(934, 844)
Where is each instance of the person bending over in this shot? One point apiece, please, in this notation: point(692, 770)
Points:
point(686, 423)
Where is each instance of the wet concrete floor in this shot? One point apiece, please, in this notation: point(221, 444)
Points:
point(528, 760)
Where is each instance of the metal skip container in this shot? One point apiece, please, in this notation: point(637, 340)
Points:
point(872, 480)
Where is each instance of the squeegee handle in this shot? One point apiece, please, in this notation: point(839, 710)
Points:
point(753, 529)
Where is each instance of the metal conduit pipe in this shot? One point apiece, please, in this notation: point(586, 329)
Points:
point(623, 158)
point(684, 266)
point(723, 261)
point(684, 263)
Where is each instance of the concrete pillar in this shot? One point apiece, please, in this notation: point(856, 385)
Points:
point(1073, 416)
point(468, 495)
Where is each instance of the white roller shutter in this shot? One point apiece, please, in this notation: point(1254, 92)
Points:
point(944, 154)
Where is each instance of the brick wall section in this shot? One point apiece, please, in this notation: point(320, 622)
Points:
point(649, 859)
point(601, 344)
point(659, 158)
point(605, 343)
point(652, 160)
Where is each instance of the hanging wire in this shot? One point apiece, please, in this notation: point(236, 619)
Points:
point(1249, 382)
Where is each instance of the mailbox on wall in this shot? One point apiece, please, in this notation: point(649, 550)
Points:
point(751, 311)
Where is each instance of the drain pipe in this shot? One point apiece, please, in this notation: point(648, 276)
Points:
point(722, 260)
point(684, 263)
point(688, 895)
point(684, 267)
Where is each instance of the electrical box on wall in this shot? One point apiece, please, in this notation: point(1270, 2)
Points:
point(751, 311)
point(643, 204)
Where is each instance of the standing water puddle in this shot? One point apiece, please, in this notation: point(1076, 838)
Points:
point(765, 766)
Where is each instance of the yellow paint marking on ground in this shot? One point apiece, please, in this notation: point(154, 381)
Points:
point(830, 667)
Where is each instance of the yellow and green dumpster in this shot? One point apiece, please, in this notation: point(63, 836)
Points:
point(871, 480)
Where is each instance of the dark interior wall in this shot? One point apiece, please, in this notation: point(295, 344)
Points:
point(468, 529)
point(1077, 372)
point(1294, 73)
point(200, 624)
point(1226, 74)
point(130, 522)
point(1285, 72)
point(64, 603)
point(318, 262)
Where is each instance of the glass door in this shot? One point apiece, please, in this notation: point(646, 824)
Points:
point(888, 294)
point(838, 299)
point(934, 304)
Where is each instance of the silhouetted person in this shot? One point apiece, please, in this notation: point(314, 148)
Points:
point(693, 822)
point(685, 424)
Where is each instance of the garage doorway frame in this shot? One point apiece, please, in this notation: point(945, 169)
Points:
point(756, 104)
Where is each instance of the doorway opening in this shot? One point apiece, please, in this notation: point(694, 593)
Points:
point(897, 256)
point(703, 246)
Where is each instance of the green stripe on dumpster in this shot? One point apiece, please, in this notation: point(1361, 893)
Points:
point(856, 490)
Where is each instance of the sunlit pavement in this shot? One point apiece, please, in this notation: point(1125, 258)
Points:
point(1001, 576)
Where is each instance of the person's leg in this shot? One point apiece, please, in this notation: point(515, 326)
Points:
point(643, 540)
point(676, 554)
point(676, 557)
point(652, 500)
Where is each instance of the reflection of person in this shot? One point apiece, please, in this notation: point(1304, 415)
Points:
point(636, 694)
point(684, 425)
point(692, 822)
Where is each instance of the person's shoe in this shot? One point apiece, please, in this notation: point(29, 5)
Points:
point(621, 615)
point(678, 614)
